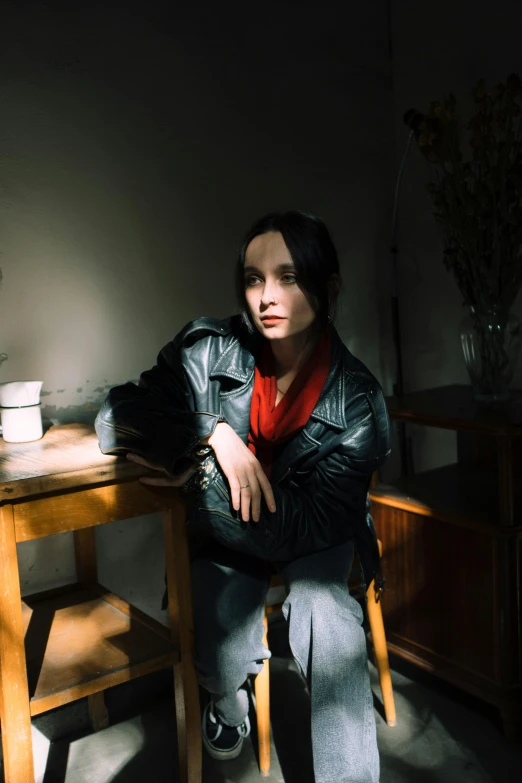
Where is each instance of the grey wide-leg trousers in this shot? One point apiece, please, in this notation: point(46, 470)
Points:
point(326, 638)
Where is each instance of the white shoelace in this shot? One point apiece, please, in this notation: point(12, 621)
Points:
point(243, 729)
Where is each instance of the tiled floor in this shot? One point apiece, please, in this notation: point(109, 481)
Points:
point(442, 737)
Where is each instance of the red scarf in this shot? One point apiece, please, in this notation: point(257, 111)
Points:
point(272, 425)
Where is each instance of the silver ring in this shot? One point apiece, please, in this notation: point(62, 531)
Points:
point(244, 486)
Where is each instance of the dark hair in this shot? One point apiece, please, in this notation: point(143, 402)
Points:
point(312, 251)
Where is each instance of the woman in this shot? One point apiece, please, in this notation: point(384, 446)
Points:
point(274, 428)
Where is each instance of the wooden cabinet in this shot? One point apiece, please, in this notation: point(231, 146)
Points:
point(452, 541)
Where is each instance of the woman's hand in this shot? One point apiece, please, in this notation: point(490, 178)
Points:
point(246, 477)
point(164, 481)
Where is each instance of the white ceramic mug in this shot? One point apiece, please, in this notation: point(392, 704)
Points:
point(20, 411)
point(20, 425)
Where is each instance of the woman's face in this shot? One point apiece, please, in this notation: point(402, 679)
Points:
point(271, 289)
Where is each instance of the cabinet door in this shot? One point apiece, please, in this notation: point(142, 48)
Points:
point(439, 600)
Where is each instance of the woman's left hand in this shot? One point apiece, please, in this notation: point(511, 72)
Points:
point(167, 480)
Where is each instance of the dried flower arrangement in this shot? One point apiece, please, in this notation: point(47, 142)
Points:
point(477, 198)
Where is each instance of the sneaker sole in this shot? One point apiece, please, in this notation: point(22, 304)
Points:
point(223, 755)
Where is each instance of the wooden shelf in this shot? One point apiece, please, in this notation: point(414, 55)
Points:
point(459, 493)
point(82, 640)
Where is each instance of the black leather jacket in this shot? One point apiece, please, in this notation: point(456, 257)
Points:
point(320, 478)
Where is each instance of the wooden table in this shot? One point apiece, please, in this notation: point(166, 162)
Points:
point(82, 639)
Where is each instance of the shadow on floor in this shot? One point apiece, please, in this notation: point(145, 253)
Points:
point(57, 762)
point(442, 736)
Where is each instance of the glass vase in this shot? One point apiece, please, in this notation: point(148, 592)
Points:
point(491, 345)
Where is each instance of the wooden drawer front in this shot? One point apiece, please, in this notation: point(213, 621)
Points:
point(439, 594)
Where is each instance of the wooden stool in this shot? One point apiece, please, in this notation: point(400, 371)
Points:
point(262, 681)
point(82, 639)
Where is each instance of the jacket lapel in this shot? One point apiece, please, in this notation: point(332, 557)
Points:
point(237, 363)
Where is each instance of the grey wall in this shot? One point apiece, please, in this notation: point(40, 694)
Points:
point(136, 150)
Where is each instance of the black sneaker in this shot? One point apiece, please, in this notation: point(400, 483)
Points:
point(222, 742)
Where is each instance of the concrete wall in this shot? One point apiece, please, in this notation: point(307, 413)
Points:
point(136, 148)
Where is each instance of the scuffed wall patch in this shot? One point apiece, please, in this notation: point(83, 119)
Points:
point(83, 412)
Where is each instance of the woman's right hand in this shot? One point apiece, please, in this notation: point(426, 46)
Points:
point(241, 468)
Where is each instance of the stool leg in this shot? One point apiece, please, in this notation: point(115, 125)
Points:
point(14, 695)
point(381, 655)
point(262, 691)
point(186, 689)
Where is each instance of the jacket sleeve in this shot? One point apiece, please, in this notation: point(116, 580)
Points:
point(328, 502)
point(155, 418)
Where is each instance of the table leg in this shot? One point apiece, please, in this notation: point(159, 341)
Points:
point(98, 714)
point(85, 552)
point(188, 716)
point(511, 717)
point(87, 574)
point(505, 480)
point(14, 694)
